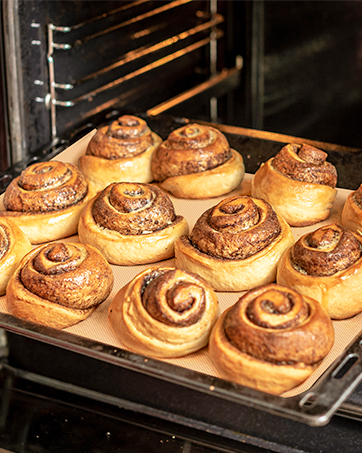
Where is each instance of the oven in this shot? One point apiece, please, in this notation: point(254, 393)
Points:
point(65, 71)
point(264, 73)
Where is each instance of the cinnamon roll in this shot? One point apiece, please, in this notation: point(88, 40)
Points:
point(351, 216)
point(326, 265)
point(271, 340)
point(59, 284)
point(299, 183)
point(132, 223)
point(13, 246)
point(236, 245)
point(46, 200)
point(197, 162)
point(164, 312)
point(121, 151)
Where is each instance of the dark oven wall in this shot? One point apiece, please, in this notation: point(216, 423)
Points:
point(303, 69)
point(69, 63)
point(290, 67)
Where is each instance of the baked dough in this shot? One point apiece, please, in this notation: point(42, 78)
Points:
point(299, 183)
point(326, 265)
point(197, 162)
point(13, 246)
point(271, 340)
point(236, 245)
point(132, 223)
point(351, 216)
point(121, 151)
point(164, 312)
point(59, 284)
point(46, 200)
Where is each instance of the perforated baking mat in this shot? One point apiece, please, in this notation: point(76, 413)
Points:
point(97, 328)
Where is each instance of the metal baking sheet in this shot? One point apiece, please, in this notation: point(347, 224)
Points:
point(314, 402)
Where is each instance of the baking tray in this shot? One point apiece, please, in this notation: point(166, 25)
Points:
point(88, 359)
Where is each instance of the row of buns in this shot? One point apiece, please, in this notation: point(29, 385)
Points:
point(242, 243)
point(193, 162)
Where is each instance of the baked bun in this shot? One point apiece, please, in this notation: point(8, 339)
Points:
point(326, 264)
point(299, 183)
point(46, 200)
point(197, 162)
point(271, 340)
point(13, 246)
point(132, 223)
point(236, 245)
point(164, 312)
point(351, 216)
point(59, 284)
point(121, 151)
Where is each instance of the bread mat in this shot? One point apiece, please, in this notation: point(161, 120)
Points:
point(97, 327)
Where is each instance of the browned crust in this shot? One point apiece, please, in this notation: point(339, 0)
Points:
point(191, 149)
point(126, 137)
point(305, 163)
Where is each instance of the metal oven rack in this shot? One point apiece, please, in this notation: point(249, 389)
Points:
point(203, 34)
point(68, 65)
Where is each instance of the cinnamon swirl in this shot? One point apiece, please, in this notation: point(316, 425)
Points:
point(326, 265)
point(272, 339)
point(46, 200)
point(132, 223)
point(197, 162)
point(121, 151)
point(236, 245)
point(164, 312)
point(351, 216)
point(299, 183)
point(59, 284)
point(13, 246)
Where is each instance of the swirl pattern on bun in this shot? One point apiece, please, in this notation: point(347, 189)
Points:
point(326, 265)
point(132, 223)
point(272, 339)
point(121, 151)
point(46, 200)
point(164, 312)
point(197, 162)
point(13, 246)
point(236, 245)
point(59, 284)
point(299, 183)
point(351, 216)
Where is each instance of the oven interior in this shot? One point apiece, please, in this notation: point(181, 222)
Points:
point(287, 67)
point(292, 68)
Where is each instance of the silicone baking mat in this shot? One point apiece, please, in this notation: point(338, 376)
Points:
point(97, 328)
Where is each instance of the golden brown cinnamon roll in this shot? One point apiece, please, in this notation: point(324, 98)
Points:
point(164, 312)
point(299, 183)
point(351, 216)
point(121, 151)
point(197, 162)
point(59, 284)
point(272, 339)
point(131, 224)
point(46, 200)
point(235, 245)
point(13, 246)
point(326, 265)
